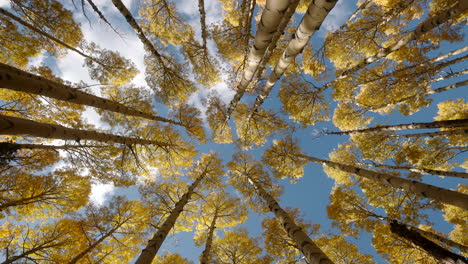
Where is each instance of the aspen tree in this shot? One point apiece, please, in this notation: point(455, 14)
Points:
point(18, 126)
point(238, 247)
point(208, 167)
point(436, 124)
point(162, 70)
point(18, 80)
point(271, 18)
point(243, 166)
point(310, 23)
point(423, 189)
point(220, 210)
point(439, 253)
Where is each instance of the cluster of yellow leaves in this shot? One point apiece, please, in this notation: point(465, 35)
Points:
point(112, 69)
point(282, 157)
point(303, 104)
point(237, 247)
point(161, 20)
point(253, 132)
point(216, 115)
point(459, 218)
point(346, 117)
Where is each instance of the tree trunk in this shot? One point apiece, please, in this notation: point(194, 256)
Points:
point(17, 126)
point(461, 131)
point(31, 251)
point(429, 92)
point(279, 32)
point(15, 79)
point(441, 254)
point(435, 124)
point(431, 68)
point(40, 32)
point(310, 23)
point(149, 252)
point(94, 245)
point(440, 238)
point(204, 34)
point(128, 16)
point(101, 16)
point(311, 251)
point(204, 257)
point(433, 192)
point(425, 26)
point(269, 21)
point(457, 174)
point(7, 146)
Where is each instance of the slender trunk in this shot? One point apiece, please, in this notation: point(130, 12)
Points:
point(26, 253)
point(94, 245)
point(311, 251)
point(15, 79)
point(269, 21)
point(44, 34)
point(204, 257)
point(41, 197)
point(17, 126)
point(457, 174)
point(7, 146)
point(450, 54)
point(441, 254)
point(310, 23)
point(432, 68)
point(128, 16)
point(149, 252)
point(429, 92)
point(425, 26)
point(433, 192)
point(440, 238)
point(461, 131)
point(204, 34)
point(435, 124)
point(101, 16)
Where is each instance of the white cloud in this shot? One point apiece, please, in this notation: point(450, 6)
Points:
point(37, 60)
point(100, 192)
point(5, 3)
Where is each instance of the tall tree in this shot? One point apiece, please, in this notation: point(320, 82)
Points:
point(208, 169)
point(243, 166)
point(220, 210)
point(18, 80)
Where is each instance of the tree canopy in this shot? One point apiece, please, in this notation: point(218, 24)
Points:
point(232, 132)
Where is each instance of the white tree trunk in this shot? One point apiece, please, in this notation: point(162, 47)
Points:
point(425, 26)
point(15, 79)
point(311, 251)
point(435, 124)
point(310, 23)
point(18, 126)
point(149, 252)
point(429, 91)
point(433, 192)
point(269, 21)
point(435, 134)
point(279, 32)
point(457, 174)
point(204, 257)
point(128, 16)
